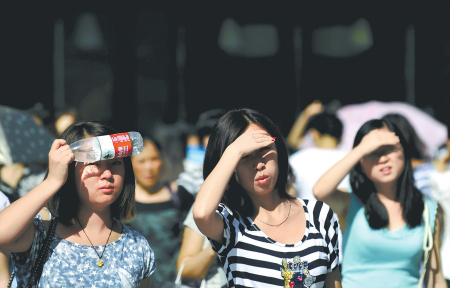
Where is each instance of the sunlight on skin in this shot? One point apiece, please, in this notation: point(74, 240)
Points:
point(89, 171)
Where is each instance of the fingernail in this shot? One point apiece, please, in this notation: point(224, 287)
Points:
point(274, 138)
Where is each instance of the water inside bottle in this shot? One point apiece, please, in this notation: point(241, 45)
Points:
point(86, 156)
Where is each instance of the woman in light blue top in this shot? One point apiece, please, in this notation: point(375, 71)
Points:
point(384, 231)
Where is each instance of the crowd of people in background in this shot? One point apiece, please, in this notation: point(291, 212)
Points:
point(251, 208)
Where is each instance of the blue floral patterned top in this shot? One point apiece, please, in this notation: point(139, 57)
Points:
point(127, 261)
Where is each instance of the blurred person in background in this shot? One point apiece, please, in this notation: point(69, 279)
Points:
point(298, 130)
point(64, 118)
point(191, 179)
point(383, 240)
point(420, 160)
point(310, 163)
point(440, 191)
point(197, 258)
point(160, 210)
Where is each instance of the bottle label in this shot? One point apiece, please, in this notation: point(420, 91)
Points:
point(115, 146)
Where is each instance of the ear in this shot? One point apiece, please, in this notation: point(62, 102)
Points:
point(315, 134)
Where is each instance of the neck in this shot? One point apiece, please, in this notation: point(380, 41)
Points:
point(150, 190)
point(326, 142)
point(387, 191)
point(267, 203)
point(95, 220)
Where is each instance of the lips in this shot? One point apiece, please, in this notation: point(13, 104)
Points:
point(262, 179)
point(386, 170)
point(107, 188)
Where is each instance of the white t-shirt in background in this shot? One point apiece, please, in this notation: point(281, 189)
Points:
point(309, 164)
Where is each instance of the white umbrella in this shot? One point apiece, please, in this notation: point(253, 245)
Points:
point(432, 132)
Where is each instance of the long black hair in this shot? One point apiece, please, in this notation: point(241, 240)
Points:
point(225, 131)
point(65, 203)
point(407, 194)
point(415, 144)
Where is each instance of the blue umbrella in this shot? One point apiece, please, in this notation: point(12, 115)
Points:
point(22, 140)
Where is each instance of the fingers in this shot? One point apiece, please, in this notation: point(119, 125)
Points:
point(61, 151)
point(57, 143)
point(261, 137)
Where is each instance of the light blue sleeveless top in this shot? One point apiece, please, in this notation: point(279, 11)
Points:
point(381, 258)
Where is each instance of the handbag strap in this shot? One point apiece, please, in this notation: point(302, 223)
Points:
point(36, 271)
point(42, 252)
point(427, 242)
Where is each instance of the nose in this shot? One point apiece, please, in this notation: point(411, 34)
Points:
point(107, 174)
point(260, 166)
point(383, 158)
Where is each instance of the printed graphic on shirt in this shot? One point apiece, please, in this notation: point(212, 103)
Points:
point(296, 273)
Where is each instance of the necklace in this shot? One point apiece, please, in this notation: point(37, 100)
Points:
point(276, 225)
point(100, 261)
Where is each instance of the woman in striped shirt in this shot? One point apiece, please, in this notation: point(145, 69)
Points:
point(264, 237)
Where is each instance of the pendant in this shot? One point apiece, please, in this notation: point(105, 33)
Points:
point(100, 263)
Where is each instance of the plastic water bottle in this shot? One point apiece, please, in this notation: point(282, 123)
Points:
point(107, 147)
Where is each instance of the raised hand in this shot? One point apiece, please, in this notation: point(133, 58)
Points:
point(59, 158)
point(314, 108)
point(376, 139)
point(251, 140)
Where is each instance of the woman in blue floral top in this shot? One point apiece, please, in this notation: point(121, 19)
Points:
point(91, 247)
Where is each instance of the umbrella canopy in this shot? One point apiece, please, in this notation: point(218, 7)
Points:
point(432, 132)
point(22, 140)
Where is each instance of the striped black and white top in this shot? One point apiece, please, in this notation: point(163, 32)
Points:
point(251, 259)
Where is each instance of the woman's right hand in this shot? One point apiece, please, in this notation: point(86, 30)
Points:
point(376, 139)
point(59, 158)
point(252, 140)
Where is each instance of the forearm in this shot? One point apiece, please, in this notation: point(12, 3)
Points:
point(212, 190)
point(17, 217)
point(330, 180)
point(197, 266)
point(296, 133)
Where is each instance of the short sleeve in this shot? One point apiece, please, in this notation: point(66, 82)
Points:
point(24, 261)
point(333, 242)
point(148, 258)
point(230, 230)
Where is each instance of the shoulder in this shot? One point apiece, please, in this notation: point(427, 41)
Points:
point(433, 208)
point(132, 237)
point(319, 212)
point(432, 204)
point(316, 207)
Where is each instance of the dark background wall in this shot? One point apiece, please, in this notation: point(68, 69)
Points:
point(138, 76)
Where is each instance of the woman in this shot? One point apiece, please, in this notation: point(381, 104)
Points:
point(91, 247)
point(160, 210)
point(264, 237)
point(383, 239)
